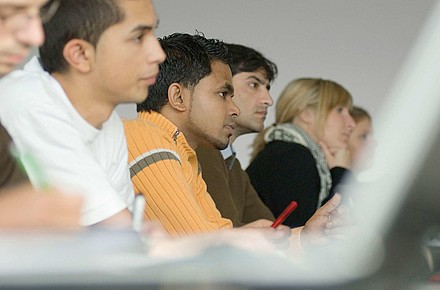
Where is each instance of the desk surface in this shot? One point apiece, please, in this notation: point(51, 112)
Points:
point(114, 259)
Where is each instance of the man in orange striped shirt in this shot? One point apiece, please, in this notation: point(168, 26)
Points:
point(189, 106)
point(163, 163)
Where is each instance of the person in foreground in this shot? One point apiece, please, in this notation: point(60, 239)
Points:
point(304, 155)
point(228, 184)
point(60, 108)
point(189, 106)
point(21, 206)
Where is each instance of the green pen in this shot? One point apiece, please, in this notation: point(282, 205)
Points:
point(32, 168)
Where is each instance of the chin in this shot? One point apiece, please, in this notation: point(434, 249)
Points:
point(221, 146)
point(4, 70)
point(139, 99)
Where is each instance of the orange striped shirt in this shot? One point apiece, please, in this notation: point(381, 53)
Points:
point(164, 168)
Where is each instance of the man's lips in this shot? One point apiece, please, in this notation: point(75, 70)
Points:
point(231, 126)
point(150, 80)
point(262, 114)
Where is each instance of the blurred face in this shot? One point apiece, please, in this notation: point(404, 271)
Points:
point(128, 55)
point(20, 30)
point(212, 113)
point(251, 95)
point(361, 138)
point(338, 128)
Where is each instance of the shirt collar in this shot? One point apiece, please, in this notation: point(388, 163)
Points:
point(227, 153)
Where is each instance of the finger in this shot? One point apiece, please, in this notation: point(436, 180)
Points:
point(339, 222)
point(153, 229)
point(331, 205)
point(261, 223)
point(280, 233)
point(338, 231)
point(280, 238)
point(283, 232)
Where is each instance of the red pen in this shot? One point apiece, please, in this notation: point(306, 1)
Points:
point(289, 209)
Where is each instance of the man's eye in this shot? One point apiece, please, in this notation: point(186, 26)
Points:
point(139, 38)
point(253, 85)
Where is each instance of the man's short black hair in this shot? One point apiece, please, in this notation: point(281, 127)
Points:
point(188, 60)
point(76, 19)
point(246, 59)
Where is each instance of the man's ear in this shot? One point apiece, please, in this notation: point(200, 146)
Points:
point(177, 97)
point(79, 55)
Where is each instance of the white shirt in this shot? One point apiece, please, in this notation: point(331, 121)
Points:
point(73, 155)
point(228, 152)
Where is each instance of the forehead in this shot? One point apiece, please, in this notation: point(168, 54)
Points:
point(220, 73)
point(363, 123)
point(259, 74)
point(138, 12)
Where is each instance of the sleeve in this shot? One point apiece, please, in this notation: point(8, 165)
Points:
point(157, 173)
point(215, 174)
point(46, 132)
point(11, 173)
point(254, 208)
point(338, 174)
point(283, 172)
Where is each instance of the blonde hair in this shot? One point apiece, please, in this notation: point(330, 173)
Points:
point(318, 94)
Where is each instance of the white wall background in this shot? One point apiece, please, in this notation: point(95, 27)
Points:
point(359, 43)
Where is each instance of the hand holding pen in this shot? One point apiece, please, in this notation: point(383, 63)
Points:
point(286, 212)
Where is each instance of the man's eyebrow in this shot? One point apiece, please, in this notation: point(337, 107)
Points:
point(257, 79)
point(228, 87)
point(13, 7)
point(144, 27)
point(260, 81)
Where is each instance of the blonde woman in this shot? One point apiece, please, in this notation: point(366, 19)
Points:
point(304, 155)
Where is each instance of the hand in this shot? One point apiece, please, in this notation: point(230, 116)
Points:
point(328, 222)
point(153, 230)
point(278, 236)
point(336, 157)
point(22, 207)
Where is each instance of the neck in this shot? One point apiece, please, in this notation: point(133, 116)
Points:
point(306, 128)
point(238, 132)
point(88, 103)
point(233, 138)
point(181, 122)
point(190, 139)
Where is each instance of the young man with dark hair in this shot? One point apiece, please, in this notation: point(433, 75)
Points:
point(228, 184)
point(97, 54)
point(190, 105)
